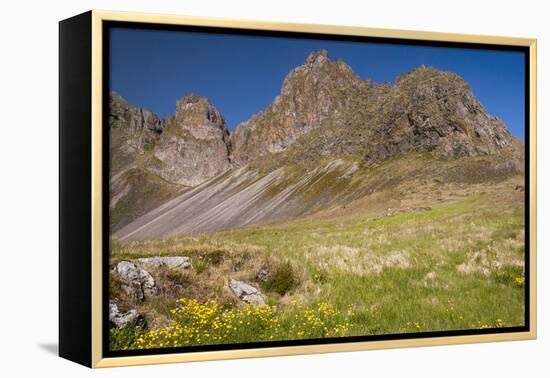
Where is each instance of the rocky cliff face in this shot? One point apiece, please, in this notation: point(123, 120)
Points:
point(318, 92)
point(431, 110)
point(142, 126)
point(133, 131)
point(195, 143)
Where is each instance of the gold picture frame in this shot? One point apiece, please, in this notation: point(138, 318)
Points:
point(92, 25)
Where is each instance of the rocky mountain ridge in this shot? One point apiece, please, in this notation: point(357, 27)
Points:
point(425, 110)
point(324, 110)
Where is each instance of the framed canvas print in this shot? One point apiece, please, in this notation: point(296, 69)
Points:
point(235, 189)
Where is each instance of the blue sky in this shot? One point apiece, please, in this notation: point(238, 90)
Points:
point(241, 75)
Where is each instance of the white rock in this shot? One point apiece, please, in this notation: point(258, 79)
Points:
point(119, 319)
point(136, 281)
point(247, 293)
point(168, 261)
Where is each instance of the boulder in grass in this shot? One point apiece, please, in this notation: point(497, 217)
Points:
point(167, 261)
point(136, 282)
point(247, 293)
point(121, 320)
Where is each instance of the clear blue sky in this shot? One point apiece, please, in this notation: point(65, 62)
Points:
point(241, 75)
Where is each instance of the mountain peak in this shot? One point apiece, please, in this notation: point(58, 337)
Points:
point(317, 92)
point(428, 73)
point(320, 56)
point(194, 111)
point(116, 101)
point(116, 96)
point(193, 99)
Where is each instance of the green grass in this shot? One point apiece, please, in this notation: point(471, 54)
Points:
point(456, 266)
point(124, 338)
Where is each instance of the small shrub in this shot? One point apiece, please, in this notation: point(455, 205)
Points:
point(282, 279)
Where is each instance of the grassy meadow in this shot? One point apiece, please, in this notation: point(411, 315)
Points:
point(457, 264)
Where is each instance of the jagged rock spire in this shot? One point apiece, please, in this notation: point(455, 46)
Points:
point(317, 57)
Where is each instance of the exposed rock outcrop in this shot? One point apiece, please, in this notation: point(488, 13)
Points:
point(121, 320)
point(194, 146)
point(247, 293)
point(182, 262)
point(316, 93)
point(135, 130)
point(431, 110)
point(136, 282)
